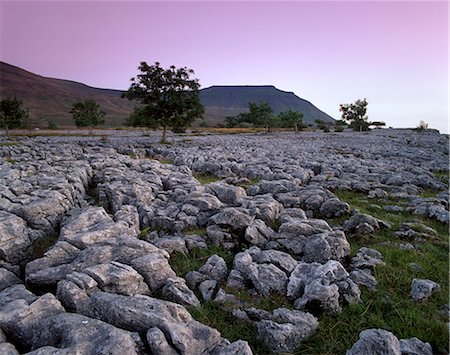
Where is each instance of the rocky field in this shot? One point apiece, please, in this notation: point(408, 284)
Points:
point(308, 243)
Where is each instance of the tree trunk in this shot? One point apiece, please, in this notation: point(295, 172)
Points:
point(7, 130)
point(164, 134)
point(295, 127)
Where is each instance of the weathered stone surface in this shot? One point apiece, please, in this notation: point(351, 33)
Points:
point(423, 289)
point(140, 313)
point(176, 290)
point(321, 287)
point(363, 277)
point(415, 346)
point(286, 329)
point(239, 347)
point(7, 279)
point(305, 227)
point(256, 267)
point(334, 207)
point(231, 217)
point(158, 343)
point(93, 225)
point(375, 341)
point(366, 258)
point(258, 233)
point(363, 224)
point(16, 238)
point(326, 246)
point(228, 194)
point(207, 289)
point(215, 268)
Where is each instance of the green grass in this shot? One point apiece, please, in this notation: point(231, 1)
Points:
point(390, 307)
point(195, 231)
point(9, 144)
point(10, 160)
point(442, 176)
point(206, 178)
point(251, 181)
point(159, 158)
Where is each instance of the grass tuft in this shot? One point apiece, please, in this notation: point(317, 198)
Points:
point(206, 178)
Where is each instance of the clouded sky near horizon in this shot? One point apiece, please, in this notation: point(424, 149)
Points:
point(394, 53)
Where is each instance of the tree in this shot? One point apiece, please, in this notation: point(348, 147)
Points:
point(140, 117)
point(355, 115)
point(12, 114)
point(324, 126)
point(377, 124)
point(170, 96)
point(291, 119)
point(87, 113)
point(260, 114)
point(421, 127)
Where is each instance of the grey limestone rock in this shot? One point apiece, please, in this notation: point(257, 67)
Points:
point(415, 346)
point(422, 289)
point(326, 246)
point(232, 218)
point(92, 225)
point(363, 224)
point(259, 269)
point(176, 290)
point(305, 227)
point(263, 207)
point(366, 258)
point(207, 289)
point(286, 329)
point(258, 233)
point(140, 313)
point(376, 341)
point(16, 238)
point(158, 343)
point(364, 277)
point(7, 279)
point(334, 207)
point(215, 268)
point(321, 288)
point(239, 347)
point(228, 194)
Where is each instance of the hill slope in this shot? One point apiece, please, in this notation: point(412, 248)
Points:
point(222, 101)
point(50, 100)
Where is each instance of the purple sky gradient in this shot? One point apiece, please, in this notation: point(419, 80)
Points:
point(393, 53)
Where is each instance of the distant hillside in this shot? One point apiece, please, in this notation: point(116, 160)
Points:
point(50, 100)
point(223, 101)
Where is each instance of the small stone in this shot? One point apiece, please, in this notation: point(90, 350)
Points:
point(422, 289)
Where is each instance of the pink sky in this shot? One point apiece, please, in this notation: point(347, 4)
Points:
point(393, 53)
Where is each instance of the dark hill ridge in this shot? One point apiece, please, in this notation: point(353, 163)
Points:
point(50, 100)
point(233, 99)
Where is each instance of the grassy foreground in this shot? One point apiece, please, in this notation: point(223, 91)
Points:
point(389, 307)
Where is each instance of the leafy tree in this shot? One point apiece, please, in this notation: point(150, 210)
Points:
point(12, 114)
point(87, 113)
point(421, 127)
point(170, 96)
point(324, 126)
point(355, 115)
point(140, 117)
point(378, 124)
point(260, 114)
point(291, 119)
